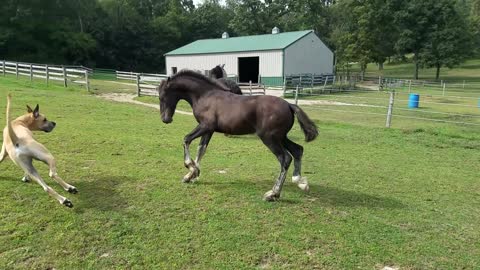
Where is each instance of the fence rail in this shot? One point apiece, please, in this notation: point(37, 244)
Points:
point(65, 74)
point(391, 106)
point(252, 89)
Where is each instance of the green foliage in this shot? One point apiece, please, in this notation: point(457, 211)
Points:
point(135, 34)
point(435, 32)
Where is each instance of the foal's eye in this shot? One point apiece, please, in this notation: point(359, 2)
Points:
point(45, 120)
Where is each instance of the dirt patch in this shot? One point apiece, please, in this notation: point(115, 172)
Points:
point(130, 98)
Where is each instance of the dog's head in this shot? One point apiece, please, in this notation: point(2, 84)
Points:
point(38, 121)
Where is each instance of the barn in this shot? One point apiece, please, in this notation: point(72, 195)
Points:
point(267, 58)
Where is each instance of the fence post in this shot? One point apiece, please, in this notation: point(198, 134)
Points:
point(16, 69)
point(31, 73)
point(463, 83)
point(296, 96)
point(250, 85)
point(138, 85)
point(64, 71)
point(379, 83)
point(390, 109)
point(3, 68)
point(410, 86)
point(284, 85)
point(444, 85)
point(46, 73)
point(87, 85)
point(325, 84)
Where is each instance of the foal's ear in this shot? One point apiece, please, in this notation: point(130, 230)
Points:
point(222, 65)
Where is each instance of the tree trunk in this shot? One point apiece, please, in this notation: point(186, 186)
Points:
point(380, 66)
point(80, 23)
point(437, 76)
point(415, 59)
point(363, 69)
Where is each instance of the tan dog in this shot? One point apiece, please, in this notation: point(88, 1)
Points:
point(21, 147)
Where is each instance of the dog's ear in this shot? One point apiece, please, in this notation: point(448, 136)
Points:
point(29, 110)
point(36, 112)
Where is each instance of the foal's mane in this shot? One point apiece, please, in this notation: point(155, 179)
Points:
point(198, 76)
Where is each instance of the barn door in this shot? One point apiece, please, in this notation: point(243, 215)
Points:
point(248, 69)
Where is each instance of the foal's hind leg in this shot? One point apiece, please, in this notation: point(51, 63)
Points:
point(284, 159)
point(202, 148)
point(297, 152)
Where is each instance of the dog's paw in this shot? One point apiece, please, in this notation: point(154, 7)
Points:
point(72, 190)
point(67, 203)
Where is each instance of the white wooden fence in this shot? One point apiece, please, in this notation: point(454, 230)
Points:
point(78, 75)
point(147, 83)
point(252, 89)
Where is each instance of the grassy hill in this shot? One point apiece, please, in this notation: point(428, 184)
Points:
point(469, 71)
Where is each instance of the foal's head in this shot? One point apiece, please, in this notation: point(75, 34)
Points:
point(168, 101)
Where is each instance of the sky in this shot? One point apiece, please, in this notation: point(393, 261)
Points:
point(196, 2)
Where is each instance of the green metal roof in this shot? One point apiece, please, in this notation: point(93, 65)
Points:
point(241, 44)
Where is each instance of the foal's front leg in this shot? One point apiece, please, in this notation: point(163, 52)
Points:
point(189, 163)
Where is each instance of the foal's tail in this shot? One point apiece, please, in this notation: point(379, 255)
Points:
point(308, 126)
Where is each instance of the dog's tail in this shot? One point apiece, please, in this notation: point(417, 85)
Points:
point(11, 133)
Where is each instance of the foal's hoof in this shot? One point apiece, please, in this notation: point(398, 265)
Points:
point(301, 182)
point(67, 203)
point(191, 176)
point(271, 196)
point(72, 190)
point(26, 179)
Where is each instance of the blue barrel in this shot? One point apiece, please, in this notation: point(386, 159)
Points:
point(413, 100)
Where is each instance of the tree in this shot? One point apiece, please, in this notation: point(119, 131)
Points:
point(434, 32)
point(365, 33)
point(449, 42)
point(210, 20)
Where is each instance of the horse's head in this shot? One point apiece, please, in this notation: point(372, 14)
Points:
point(168, 100)
point(218, 72)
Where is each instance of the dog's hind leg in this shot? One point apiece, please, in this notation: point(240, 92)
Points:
point(53, 174)
point(52, 165)
point(26, 178)
point(27, 166)
point(4, 153)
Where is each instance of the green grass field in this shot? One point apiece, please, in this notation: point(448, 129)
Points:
point(468, 71)
point(406, 197)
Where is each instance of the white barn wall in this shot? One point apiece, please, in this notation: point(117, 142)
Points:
point(271, 64)
point(308, 55)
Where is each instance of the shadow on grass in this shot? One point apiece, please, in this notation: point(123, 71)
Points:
point(318, 194)
point(101, 194)
point(334, 196)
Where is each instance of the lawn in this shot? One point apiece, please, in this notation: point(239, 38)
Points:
point(404, 197)
point(469, 71)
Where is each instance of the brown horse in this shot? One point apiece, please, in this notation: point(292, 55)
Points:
point(217, 110)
